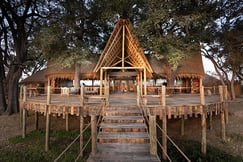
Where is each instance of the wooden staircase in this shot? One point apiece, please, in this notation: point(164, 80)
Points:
point(123, 136)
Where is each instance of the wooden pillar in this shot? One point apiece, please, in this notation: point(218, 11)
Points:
point(141, 83)
point(93, 134)
point(105, 82)
point(145, 81)
point(123, 46)
point(152, 134)
point(107, 100)
point(222, 115)
point(101, 81)
point(48, 100)
point(138, 95)
point(226, 105)
point(36, 120)
point(81, 140)
point(182, 126)
point(48, 120)
point(164, 138)
point(67, 122)
point(203, 122)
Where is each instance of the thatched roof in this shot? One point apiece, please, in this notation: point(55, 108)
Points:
point(158, 66)
point(55, 70)
point(122, 49)
point(38, 77)
point(191, 67)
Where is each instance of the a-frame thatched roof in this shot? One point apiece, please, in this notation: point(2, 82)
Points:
point(122, 49)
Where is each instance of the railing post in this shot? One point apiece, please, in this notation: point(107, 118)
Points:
point(81, 134)
point(82, 95)
point(222, 115)
point(48, 95)
point(163, 102)
point(152, 134)
point(94, 134)
point(138, 95)
point(203, 122)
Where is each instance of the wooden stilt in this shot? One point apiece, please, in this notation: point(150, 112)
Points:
point(163, 91)
point(152, 134)
point(48, 95)
point(222, 117)
point(94, 134)
point(182, 126)
point(24, 123)
point(164, 138)
point(36, 120)
point(211, 120)
point(67, 122)
point(226, 105)
point(204, 141)
point(203, 122)
point(47, 139)
point(81, 134)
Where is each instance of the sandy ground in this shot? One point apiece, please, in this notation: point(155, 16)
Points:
point(10, 127)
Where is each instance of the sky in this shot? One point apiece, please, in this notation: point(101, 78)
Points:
point(208, 66)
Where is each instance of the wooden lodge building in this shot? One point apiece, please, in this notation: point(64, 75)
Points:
point(122, 65)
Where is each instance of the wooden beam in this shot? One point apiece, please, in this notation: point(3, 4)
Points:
point(126, 73)
point(101, 80)
point(81, 140)
point(48, 120)
point(203, 122)
point(123, 44)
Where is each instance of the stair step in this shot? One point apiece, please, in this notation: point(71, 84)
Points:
point(122, 152)
point(122, 108)
point(122, 112)
point(123, 137)
point(123, 127)
point(123, 119)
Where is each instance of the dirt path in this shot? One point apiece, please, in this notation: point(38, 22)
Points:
point(10, 127)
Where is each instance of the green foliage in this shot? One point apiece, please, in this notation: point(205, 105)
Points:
point(193, 151)
point(32, 147)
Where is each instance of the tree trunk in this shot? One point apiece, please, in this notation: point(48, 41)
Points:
point(77, 77)
point(2, 91)
point(13, 82)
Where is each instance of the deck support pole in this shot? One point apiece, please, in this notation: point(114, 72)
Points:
point(182, 126)
point(48, 120)
point(145, 81)
point(105, 82)
point(211, 120)
point(24, 123)
point(48, 100)
point(226, 105)
point(81, 134)
point(164, 135)
point(203, 122)
point(67, 122)
point(107, 100)
point(152, 134)
point(222, 114)
point(164, 123)
point(93, 134)
point(36, 120)
point(138, 95)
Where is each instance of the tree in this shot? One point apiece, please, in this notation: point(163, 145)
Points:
point(18, 19)
point(223, 43)
point(171, 30)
